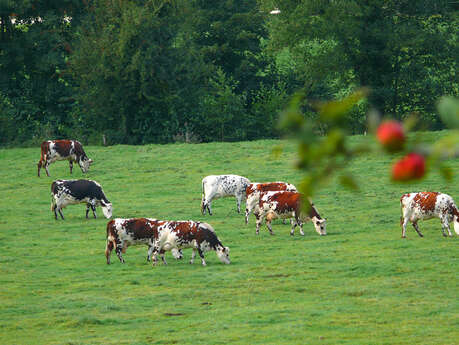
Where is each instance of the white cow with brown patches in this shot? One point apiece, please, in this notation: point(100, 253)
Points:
point(58, 150)
point(122, 233)
point(427, 205)
point(219, 186)
point(283, 204)
point(253, 193)
point(175, 235)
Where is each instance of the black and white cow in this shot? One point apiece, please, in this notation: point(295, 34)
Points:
point(427, 205)
point(58, 150)
point(188, 234)
point(68, 192)
point(283, 204)
point(122, 233)
point(219, 186)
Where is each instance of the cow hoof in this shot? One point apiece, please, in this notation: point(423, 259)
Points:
point(291, 234)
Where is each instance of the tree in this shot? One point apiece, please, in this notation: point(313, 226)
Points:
point(405, 51)
point(137, 76)
point(35, 93)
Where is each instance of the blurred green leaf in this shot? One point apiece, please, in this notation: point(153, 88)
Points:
point(446, 172)
point(349, 182)
point(291, 118)
point(335, 110)
point(448, 108)
point(277, 151)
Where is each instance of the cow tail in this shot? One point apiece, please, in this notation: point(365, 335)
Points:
point(111, 242)
point(456, 219)
point(202, 198)
point(44, 151)
point(53, 192)
point(401, 210)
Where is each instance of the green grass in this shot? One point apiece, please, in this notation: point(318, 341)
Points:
point(361, 284)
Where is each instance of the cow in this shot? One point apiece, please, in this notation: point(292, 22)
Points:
point(68, 192)
point(427, 205)
point(218, 186)
point(188, 234)
point(122, 233)
point(285, 204)
point(253, 193)
point(58, 150)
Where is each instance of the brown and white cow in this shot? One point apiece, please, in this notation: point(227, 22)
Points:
point(58, 150)
point(427, 205)
point(285, 204)
point(122, 233)
point(253, 190)
point(188, 234)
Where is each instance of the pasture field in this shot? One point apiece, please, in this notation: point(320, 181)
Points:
point(361, 284)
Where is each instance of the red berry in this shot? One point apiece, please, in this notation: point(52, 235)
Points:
point(410, 167)
point(390, 134)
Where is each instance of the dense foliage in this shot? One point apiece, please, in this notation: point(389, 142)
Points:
point(176, 70)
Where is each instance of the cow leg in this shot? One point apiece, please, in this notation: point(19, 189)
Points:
point(239, 201)
point(162, 257)
point(39, 167)
point(292, 232)
point(209, 207)
point(416, 227)
point(46, 168)
point(154, 252)
point(60, 212)
point(108, 251)
point(119, 250)
point(87, 209)
point(258, 222)
point(247, 213)
point(300, 223)
point(201, 254)
point(193, 255)
point(269, 226)
point(150, 250)
point(445, 226)
point(93, 208)
point(269, 218)
point(404, 224)
point(53, 208)
point(70, 166)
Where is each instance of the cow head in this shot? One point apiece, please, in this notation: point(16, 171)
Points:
point(177, 253)
point(84, 163)
point(107, 208)
point(320, 225)
point(223, 254)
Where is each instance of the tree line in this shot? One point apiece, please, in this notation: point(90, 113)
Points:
point(159, 71)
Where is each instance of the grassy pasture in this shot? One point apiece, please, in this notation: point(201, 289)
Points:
point(361, 284)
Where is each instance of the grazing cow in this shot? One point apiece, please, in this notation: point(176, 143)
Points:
point(253, 193)
point(121, 233)
point(188, 234)
point(427, 205)
point(218, 186)
point(58, 150)
point(287, 205)
point(68, 192)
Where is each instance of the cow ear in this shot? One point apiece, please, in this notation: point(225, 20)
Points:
point(227, 249)
point(90, 161)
